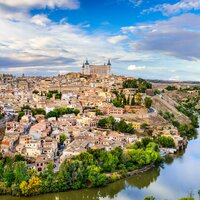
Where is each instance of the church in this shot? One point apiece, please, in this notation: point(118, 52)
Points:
point(96, 70)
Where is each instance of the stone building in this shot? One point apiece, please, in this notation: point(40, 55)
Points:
point(96, 70)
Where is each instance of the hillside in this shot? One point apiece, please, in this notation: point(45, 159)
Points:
point(166, 104)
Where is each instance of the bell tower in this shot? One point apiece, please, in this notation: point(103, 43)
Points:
point(109, 68)
point(86, 68)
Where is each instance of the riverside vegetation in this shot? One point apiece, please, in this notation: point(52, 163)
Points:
point(93, 168)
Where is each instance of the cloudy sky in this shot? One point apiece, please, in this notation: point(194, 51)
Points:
point(155, 39)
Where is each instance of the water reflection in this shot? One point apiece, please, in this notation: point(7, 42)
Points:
point(144, 180)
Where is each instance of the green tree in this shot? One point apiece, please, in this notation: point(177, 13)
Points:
point(20, 115)
point(38, 111)
point(72, 175)
point(20, 172)
point(86, 158)
point(35, 92)
point(19, 157)
point(32, 187)
point(133, 101)
point(8, 174)
point(26, 107)
point(98, 112)
point(62, 138)
point(149, 198)
point(146, 141)
point(102, 123)
point(1, 116)
point(128, 100)
point(52, 114)
point(166, 142)
point(108, 162)
point(144, 125)
point(170, 88)
point(148, 102)
point(47, 177)
point(130, 83)
point(95, 177)
point(1, 169)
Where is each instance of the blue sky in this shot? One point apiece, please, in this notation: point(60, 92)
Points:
point(155, 39)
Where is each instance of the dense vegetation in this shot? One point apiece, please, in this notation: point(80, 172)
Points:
point(58, 112)
point(189, 109)
point(93, 168)
point(140, 84)
point(49, 94)
point(111, 123)
point(148, 102)
point(98, 112)
point(166, 142)
point(161, 141)
point(185, 130)
point(121, 99)
point(171, 88)
point(1, 116)
point(191, 88)
point(56, 93)
point(35, 111)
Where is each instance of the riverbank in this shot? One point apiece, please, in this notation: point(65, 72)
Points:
point(8, 192)
point(94, 168)
point(155, 181)
point(91, 169)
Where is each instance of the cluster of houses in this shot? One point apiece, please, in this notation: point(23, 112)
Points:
point(39, 139)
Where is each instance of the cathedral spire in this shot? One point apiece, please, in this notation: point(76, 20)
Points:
point(87, 63)
point(109, 63)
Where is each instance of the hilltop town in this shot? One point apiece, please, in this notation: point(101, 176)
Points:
point(56, 118)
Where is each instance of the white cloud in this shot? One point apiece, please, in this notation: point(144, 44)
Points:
point(41, 20)
point(117, 39)
point(138, 28)
point(174, 78)
point(37, 41)
point(135, 68)
point(181, 6)
point(178, 37)
point(136, 2)
point(36, 45)
point(26, 4)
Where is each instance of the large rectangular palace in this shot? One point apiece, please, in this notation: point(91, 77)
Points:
point(96, 70)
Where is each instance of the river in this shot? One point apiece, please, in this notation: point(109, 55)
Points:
point(178, 177)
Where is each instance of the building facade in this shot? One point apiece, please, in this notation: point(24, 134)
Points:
point(96, 70)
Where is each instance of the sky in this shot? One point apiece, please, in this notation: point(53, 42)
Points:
point(151, 39)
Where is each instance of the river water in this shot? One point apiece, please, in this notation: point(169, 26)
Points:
point(180, 176)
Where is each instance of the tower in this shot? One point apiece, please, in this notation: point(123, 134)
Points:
point(109, 67)
point(86, 68)
point(109, 63)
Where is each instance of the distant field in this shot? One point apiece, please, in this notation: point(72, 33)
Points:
point(174, 82)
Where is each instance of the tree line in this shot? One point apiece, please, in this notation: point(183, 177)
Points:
point(57, 112)
point(111, 123)
point(140, 84)
point(93, 168)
